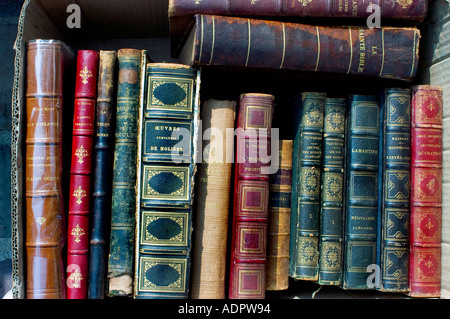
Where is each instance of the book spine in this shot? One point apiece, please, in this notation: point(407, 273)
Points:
point(426, 191)
point(361, 206)
point(166, 181)
point(331, 223)
point(45, 218)
point(415, 10)
point(251, 197)
point(101, 180)
point(394, 189)
point(305, 214)
point(212, 202)
point(80, 174)
point(277, 272)
point(386, 52)
point(121, 255)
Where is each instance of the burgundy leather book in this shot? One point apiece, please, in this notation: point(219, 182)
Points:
point(426, 191)
point(80, 174)
point(182, 11)
point(251, 197)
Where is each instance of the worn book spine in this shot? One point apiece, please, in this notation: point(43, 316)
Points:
point(122, 232)
point(394, 189)
point(305, 214)
point(426, 191)
point(277, 272)
point(361, 200)
point(45, 217)
point(80, 174)
point(212, 201)
point(167, 165)
point(386, 52)
point(251, 197)
point(332, 190)
point(101, 180)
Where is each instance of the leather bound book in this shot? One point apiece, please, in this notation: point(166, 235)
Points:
point(361, 200)
point(394, 189)
point(277, 269)
point(307, 169)
point(386, 52)
point(426, 191)
point(101, 179)
point(331, 232)
point(45, 217)
point(251, 197)
point(182, 11)
point(122, 232)
point(80, 174)
point(212, 201)
point(165, 184)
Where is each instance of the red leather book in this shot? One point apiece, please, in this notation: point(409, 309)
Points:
point(80, 174)
point(426, 191)
point(251, 197)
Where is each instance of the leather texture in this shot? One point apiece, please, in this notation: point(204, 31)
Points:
point(101, 179)
point(332, 199)
point(251, 197)
point(166, 176)
point(307, 169)
point(80, 174)
point(394, 189)
point(426, 191)
point(45, 221)
point(361, 202)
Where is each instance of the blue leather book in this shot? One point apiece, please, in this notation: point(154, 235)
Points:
point(330, 244)
point(305, 207)
point(166, 169)
point(394, 189)
point(123, 209)
point(361, 202)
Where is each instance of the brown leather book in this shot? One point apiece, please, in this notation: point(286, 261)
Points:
point(45, 221)
point(277, 271)
point(212, 206)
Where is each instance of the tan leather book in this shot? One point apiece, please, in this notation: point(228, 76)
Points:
point(212, 206)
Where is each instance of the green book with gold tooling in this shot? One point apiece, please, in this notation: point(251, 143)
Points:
point(165, 182)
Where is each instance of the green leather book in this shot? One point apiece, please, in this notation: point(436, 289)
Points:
point(129, 101)
point(305, 205)
point(330, 246)
point(166, 169)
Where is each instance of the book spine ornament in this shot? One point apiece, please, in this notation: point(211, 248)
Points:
point(101, 180)
point(80, 174)
point(426, 191)
point(251, 197)
point(45, 232)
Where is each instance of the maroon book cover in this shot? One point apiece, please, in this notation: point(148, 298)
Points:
point(426, 191)
point(251, 197)
point(80, 174)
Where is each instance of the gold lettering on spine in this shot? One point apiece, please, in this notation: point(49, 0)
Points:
point(351, 50)
point(362, 50)
point(318, 48)
point(284, 46)
point(249, 41)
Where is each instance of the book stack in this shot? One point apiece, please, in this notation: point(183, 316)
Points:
point(186, 184)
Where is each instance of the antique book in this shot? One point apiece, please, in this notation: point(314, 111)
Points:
point(306, 180)
point(80, 174)
point(122, 231)
point(45, 231)
point(101, 179)
point(165, 183)
point(181, 12)
point(251, 197)
point(394, 189)
point(426, 191)
point(213, 185)
point(361, 200)
point(386, 52)
point(280, 189)
point(332, 192)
